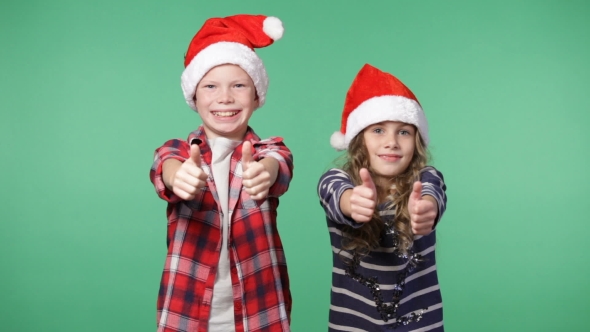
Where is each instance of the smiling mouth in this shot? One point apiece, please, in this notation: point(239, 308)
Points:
point(389, 157)
point(224, 114)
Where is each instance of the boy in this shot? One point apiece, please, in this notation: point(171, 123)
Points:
point(225, 268)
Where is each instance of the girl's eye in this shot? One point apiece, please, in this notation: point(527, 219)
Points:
point(209, 86)
point(406, 132)
point(378, 131)
point(240, 85)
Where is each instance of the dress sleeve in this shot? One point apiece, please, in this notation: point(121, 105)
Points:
point(330, 188)
point(433, 184)
point(172, 149)
point(275, 148)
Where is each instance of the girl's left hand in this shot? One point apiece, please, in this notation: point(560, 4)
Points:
point(423, 211)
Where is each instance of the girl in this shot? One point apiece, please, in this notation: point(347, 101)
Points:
point(381, 219)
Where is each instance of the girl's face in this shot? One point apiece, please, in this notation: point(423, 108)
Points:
point(390, 145)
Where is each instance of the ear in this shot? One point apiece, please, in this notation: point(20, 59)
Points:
point(195, 102)
point(256, 100)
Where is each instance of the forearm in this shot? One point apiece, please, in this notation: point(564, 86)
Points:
point(334, 190)
point(345, 203)
point(169, 169)
point(433, 200)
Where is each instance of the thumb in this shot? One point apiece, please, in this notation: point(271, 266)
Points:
point(367, 179)
point(246, 154)
point(196, 154)
point(415, 196)
point(416, 193)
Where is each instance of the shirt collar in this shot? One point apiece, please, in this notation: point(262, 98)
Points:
point(199, 137)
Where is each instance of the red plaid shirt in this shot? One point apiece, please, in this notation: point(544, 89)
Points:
point(262, 300)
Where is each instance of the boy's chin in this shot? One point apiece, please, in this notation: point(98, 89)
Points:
point(234, 134)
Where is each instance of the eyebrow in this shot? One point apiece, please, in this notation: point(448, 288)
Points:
point(239, 80)
point(207, 82)
point(404, 125)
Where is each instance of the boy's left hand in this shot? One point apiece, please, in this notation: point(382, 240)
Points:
point(423, 210)
point(255, 177)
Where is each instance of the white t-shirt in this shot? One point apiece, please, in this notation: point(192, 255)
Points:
point(222, 304)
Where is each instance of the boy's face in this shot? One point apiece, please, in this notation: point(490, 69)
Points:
point(225, 99)
point(390, 145)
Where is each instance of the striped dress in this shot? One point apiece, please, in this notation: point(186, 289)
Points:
point(353, 305)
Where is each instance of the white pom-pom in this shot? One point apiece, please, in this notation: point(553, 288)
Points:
point(337, 141)
point(273, 27)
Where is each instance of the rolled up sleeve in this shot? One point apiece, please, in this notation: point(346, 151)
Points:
point(172, 149)
point(275, 148)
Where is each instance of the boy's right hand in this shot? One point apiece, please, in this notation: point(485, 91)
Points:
point(363, 197)
point(189, 179)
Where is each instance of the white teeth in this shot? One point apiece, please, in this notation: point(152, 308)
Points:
point(225, 113)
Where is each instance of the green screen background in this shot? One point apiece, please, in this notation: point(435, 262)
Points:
point(90, 88)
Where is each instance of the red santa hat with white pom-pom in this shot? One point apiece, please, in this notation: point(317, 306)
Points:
point(376, 96)
point(230, 40)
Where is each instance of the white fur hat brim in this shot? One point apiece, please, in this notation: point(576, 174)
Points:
point(379, 109)
point(224, 53)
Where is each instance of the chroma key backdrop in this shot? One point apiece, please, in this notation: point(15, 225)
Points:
point(89, 89)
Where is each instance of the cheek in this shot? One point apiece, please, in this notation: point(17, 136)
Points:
point(205, 95)
point(410, 146)
point(249, 99)
point(199, 100)
point(371, 144)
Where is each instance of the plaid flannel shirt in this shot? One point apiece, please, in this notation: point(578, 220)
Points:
point(262, 300)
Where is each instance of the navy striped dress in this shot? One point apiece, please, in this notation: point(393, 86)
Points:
point(353, 307)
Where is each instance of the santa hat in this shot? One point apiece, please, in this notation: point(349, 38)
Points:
point(376, 96)
point(230, 40)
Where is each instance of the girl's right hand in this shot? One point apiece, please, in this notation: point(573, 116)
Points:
point(189, 179)
point(363, 198)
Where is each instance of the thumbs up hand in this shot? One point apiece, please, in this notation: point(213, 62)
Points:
point(423, 210)
point(255, 177)
point(363, 198)
point(190, 178)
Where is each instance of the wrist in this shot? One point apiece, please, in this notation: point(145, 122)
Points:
point(270, 165)
point(169, 169)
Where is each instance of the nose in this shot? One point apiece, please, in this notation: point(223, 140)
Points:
point(392, 141)
point(225, 96)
